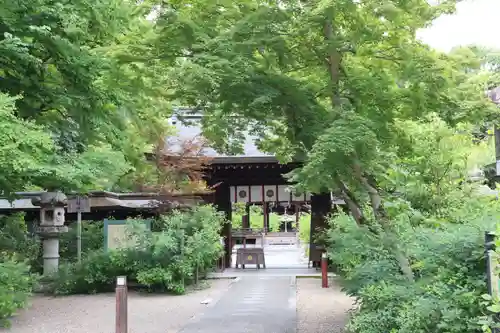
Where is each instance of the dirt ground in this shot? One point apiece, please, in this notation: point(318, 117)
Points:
point(96, 313)
point(321, 310)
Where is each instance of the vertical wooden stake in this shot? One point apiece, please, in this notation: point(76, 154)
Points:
point(121, 305)
point(491, 269)
point(324, 270)
point(266, 216)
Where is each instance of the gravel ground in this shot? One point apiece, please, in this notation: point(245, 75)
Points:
point(96, 313)
point(321, 310)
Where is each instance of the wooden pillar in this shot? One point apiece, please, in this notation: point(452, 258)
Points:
point(223, 203)
point(321, 205)
point(245, 222)
point(265, 212)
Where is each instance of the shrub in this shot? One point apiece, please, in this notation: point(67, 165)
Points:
point(168, 260)
point(16, 285)
point(18, 249)
point(15, 238)
point(449, 273)
point(96, 273)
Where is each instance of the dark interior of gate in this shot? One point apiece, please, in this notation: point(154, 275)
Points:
point(254, 180)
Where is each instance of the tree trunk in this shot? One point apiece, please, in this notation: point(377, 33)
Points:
point(351, 202)
point(333, 60)
point(381, 216)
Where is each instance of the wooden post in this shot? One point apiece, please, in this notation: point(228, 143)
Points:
point(245, 223)
point(266, 217)
point(491, 275)
point(222, 201)
point(491, 269)
point(121, 305)
point(321, 205)
point(324, 270)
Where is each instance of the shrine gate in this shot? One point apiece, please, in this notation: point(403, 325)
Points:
point(254, 177)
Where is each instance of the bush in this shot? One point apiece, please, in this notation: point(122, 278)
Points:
point(18, 249)
point(16, 285)
point(449, 268)
point(16, 240)
point(187, 246)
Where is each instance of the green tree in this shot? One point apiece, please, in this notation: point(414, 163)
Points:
point(65, 64)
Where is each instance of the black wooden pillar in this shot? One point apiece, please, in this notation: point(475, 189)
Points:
point(321, 206)
point(223, 203)
point(265, 213)
point(245, 223)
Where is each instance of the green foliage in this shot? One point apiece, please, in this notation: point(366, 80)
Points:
point(168, 260)
point(14, 237)
point(439, 218)
point(449, 271)
point(16, 285)
point(305, 228)
point(432, 170)
point(256, 218)
point(17, 250)
point(92, 240)
point(71, 82)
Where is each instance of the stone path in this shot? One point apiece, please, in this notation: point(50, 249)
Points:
point(256, 304)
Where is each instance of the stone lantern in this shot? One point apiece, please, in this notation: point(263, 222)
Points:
point(51, 226)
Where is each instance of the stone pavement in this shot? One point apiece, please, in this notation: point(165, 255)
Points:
point(254, 304)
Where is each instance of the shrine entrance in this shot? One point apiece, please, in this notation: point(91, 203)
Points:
point(264, 225)
point(266, 216)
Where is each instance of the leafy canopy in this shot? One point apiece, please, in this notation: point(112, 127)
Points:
point(70, 73)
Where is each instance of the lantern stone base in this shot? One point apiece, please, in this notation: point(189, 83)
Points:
point(50, 240)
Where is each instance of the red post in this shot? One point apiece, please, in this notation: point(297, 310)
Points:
point(121, 305)
point(324, 270)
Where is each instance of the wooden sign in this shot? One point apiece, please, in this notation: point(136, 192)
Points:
point(116, 233)
point(79, 204)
